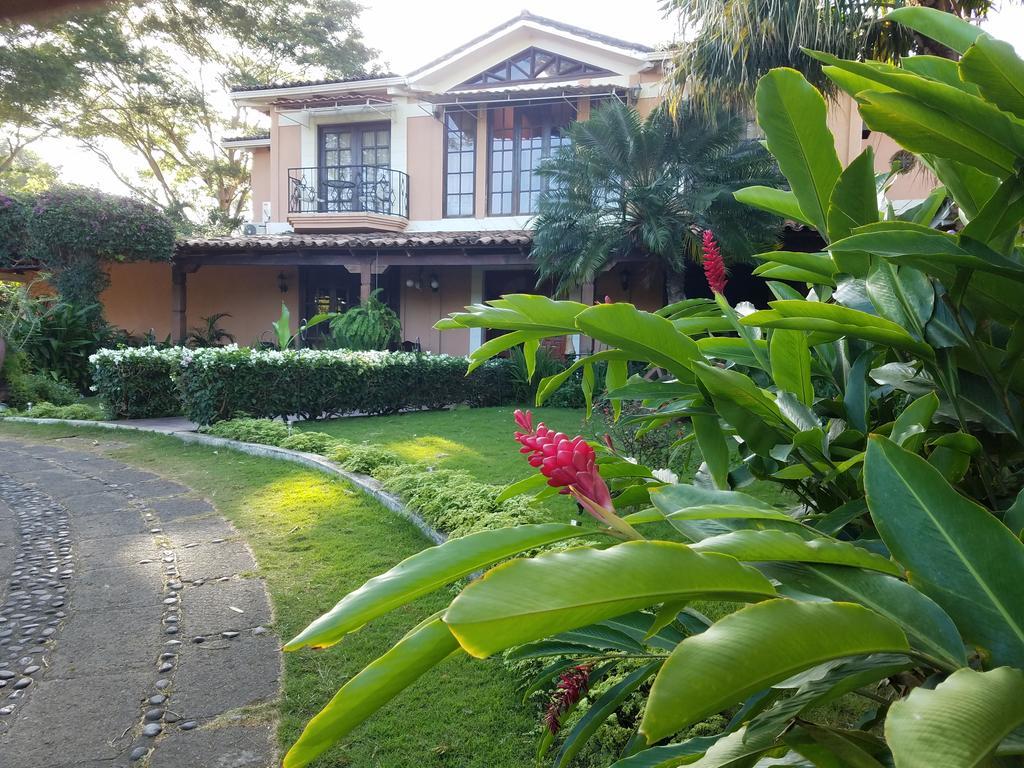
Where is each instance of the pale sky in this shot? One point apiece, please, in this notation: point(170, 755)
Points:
point(409, 33)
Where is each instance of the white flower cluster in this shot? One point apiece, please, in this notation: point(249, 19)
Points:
point(203, 357)
point(116, 356)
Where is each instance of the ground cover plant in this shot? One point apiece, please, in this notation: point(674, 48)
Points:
point(310, 534)
point(886, 397)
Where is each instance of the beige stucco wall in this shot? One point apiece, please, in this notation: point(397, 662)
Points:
point(425, 162)
point(139, 298)
point(260, 181)
point(421, 308)
point(250, 294)
point(285, 153)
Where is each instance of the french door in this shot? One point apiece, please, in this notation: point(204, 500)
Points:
point(354, 162)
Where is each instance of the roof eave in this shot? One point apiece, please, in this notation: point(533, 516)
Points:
point(264, 96)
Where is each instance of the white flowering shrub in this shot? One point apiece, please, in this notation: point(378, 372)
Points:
point(138, 382)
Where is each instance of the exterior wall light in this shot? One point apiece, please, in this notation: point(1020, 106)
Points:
point(435, 284)
point(282, 282)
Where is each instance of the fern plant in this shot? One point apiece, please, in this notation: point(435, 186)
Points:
point(371, 325)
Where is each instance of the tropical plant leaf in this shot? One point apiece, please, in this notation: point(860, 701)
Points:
point(791, 364)
point(960, 722)
point(714, 449)
point(946, 28)
point(774, 546)
point(420, 650)
point(754, 648)
point(669, 755)
point(954, 550)
point(652, 337)
point(928, 628)
point(424, 572)
point(998, 72)
point(525, 600)
point(781, 202)
point(853, 202)
point(831, 680)
point(792, 114)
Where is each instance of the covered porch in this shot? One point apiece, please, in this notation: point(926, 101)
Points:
point(423, 277)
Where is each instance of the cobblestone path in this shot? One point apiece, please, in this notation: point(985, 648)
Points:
point(131, 630)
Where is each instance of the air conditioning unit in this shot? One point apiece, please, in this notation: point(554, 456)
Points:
point(254, 229)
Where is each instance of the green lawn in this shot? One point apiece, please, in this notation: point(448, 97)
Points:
point(315, 538)
point(477, 440)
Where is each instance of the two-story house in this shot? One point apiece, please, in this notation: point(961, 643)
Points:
point(421, 185)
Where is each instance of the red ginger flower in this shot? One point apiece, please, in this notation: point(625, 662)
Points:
point(571, 465)
point(714, 266)
point(571, 687)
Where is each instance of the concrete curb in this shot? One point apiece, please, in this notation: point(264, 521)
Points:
point(364, 483)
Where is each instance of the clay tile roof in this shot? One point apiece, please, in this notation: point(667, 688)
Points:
point(302, 83)
point(253, 137)
point(356, 240)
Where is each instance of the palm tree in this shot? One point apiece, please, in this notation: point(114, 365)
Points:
point(627, 186)
point(732, 43)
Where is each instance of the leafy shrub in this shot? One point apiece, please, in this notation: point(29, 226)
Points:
point(453, 501)
point(77, 411)
point(366, 459)
point(138, 383)
point(15, 211)
point(262, 431)
point(309, 442)
point(24, 387)
point(219, 383)
point(73, 231)
point(339, 452)
point(66, 337)
point(369, 325)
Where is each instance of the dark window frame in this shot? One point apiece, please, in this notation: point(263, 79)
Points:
point(548, 127)
point(444, 175)
point(353, 128)
point(557, 67)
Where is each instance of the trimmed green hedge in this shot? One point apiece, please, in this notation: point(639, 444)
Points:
point(138, 383)
point(219, 383)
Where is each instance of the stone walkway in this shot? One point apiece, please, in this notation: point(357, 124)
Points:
point(131, 630)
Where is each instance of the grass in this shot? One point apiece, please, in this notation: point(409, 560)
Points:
point(315, 539)
point(477, 440)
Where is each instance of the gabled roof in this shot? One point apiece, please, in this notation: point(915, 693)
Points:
point(619, 50)
point(614, 42)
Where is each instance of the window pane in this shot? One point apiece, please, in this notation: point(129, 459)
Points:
point(460, 131)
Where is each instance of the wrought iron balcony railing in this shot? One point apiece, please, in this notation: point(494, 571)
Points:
point(348, 189)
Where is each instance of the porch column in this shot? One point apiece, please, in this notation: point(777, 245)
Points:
point(365, 280)
point(179, 305)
